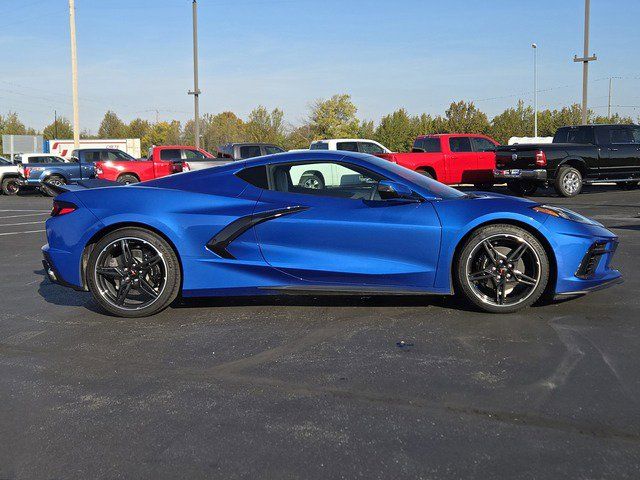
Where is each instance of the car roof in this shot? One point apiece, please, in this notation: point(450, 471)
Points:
point(344, 140)
point(438, 135)
point(305, 155)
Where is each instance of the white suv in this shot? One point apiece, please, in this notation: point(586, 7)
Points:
point(350, 145)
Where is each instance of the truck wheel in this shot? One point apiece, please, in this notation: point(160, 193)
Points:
point(312, 180)
point(10, 185)
point(127, 179)
point(425, 173)
point(54, 180)
point(568, 182)
point(522, 187)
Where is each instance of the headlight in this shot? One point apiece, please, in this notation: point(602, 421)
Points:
point(564, 213)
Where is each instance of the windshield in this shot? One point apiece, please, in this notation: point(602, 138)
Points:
point(436, 188)
point(4, 161)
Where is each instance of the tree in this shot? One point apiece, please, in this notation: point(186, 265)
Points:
point(58, 129)
point(265, 127)
point(513, 122)
point(112, 127)
point(139, 128)
point(222, 128)
point(334, 118)
point(299, 137)
point(463, 117)
point(162, 133)
point(397, 131)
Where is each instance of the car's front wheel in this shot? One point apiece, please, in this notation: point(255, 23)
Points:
point(127, 179)
point(568, 182)
point(133, 272)
point(502, 268)
point(10, 185)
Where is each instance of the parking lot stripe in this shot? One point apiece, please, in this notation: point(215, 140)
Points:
point(21, 223)
point(26, 215)
point(18, 233)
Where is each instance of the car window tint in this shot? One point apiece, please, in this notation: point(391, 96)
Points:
point(482, 144)
point(270, 149)
point(319, 146)
point(460, 144)
point(249, 151)
point(582, 136)
point(56, 160)
point(329, 179)
point(347, 146)
point(427, 144)
point(256, 176)
point(370, 148)
point(170, 154)
point(194, 155)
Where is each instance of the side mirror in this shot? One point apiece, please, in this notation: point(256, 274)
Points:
point(389, 190)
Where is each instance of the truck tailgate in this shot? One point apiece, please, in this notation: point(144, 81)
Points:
point(521, 156)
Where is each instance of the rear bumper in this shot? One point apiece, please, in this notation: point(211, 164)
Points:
point(518, 174)
point(52, 273)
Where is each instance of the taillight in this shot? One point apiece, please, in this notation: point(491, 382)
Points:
point(541, 158)
point(185, 167)
point(98, 171)
point(62, 208)
point(26, 173)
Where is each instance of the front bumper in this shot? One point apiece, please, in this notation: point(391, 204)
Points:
point(593, 288)
point(519, 174)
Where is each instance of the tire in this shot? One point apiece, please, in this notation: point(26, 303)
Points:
point(522, 187)
point(121, 284)
point(52, 180)
point(312, 180)
point(426, 174)
point(493, 274)
point(128, 179)
point(10, 185)
point(568, 182)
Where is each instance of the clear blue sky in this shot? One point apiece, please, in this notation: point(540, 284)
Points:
point(135, 55)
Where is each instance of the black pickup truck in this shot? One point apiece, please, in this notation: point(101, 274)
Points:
point(579, 155)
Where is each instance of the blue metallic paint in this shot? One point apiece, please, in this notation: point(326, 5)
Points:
point(336, 242)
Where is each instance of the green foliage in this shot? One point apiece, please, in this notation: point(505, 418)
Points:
point(265, 127)
point(112, 127)
point(397, 131)
point(334, 118)
point(60, 129)
point(463, 117)
point(513, 122)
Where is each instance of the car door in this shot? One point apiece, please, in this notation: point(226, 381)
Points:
point(486, 158)
point(343, 233)
point(619, 151)
point(461, 162)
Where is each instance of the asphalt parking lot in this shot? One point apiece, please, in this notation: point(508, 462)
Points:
point(318, 387)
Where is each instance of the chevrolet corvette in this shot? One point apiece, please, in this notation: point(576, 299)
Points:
point(369, 226)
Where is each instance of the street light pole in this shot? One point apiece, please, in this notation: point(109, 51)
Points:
point(74, 74)
point(585, 61)
point(196, 90)
point(535, 89)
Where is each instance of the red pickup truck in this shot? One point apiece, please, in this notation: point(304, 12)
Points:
point(162, 161)
point(451, 158)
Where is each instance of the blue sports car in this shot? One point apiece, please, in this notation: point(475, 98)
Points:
point(330, 222)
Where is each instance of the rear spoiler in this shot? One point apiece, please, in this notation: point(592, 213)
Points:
point(83, 185)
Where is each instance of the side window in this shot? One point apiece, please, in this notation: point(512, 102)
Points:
point(256, 176)
point(482, 145)
point(194, 155)
point(91, 156)
point(636, 134)
point(460, 144)
point(40, 160)
point(319, 146)
point(270, 149)
point(55, 160)
point(327, 179)
point(371, 148)
point(170, 154)
point(621, 135)
point(347, 146)
point(249, 151)
point(581, 135)
point(427, 145)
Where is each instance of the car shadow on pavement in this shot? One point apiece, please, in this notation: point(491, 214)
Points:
point(63, 296)
point(357, 301)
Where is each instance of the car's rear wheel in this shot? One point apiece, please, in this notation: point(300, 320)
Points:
point(52, 181)
point(502, 268)
point(568, 182)
point(425, 173)
point(10, 185)
point(312, 180)
point(133, 272)
point(128, 179)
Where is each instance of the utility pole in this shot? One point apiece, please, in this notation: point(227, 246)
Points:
point(55, 124)
point(611, 79)
point(585, 60)
point(74, 74)
point(535, 89)
point(196, 90)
